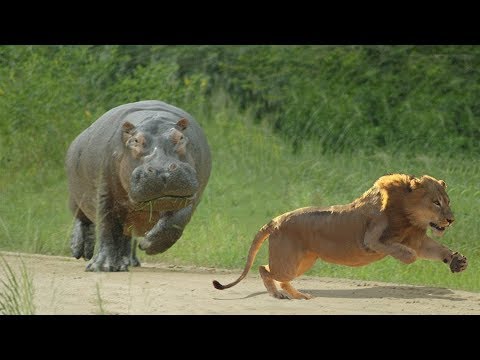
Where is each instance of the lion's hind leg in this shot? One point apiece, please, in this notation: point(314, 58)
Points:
point(294, 292)
point(270, 283)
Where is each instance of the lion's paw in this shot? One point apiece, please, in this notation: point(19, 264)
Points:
point(407, 256)
point(280, 295)
point(302, 296)
point(306, 296)
point(458, 262)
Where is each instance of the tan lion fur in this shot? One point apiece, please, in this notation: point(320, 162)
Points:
point(391, 218)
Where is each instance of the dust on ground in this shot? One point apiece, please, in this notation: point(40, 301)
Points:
point(62, 286)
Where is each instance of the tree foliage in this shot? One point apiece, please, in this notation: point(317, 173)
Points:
point(421, 99)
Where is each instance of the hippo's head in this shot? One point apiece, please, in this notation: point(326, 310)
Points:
point(155, 165)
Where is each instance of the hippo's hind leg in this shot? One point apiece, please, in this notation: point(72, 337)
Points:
point(82, 241)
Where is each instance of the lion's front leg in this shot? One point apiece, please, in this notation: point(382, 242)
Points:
point(390, 246)
point(430, 249)
point(375, 229)
point(397, 250)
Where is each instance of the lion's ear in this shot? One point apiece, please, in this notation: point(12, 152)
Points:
point(441, 182)
point(413, 184)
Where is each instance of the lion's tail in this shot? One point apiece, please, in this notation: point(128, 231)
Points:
point(262, 234)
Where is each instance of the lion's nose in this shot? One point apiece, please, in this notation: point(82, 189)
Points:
point(450, 221)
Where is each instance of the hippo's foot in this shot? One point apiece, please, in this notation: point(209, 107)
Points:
point(108, 262)
point(166, 231)
point(160, 240)
point(82, 241)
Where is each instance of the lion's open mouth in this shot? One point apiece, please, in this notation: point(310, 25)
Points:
point(436, 227)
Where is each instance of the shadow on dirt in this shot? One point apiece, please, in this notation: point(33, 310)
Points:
point(380, 292)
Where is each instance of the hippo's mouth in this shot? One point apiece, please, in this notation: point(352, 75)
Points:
point(162, 203)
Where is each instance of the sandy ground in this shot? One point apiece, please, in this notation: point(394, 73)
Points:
point(63, 287)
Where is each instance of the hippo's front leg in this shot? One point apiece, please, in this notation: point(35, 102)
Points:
point(112, 254)
point(166, 231)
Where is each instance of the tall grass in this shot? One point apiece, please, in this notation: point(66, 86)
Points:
point(17, 291)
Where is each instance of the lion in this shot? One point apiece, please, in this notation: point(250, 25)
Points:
point(390, 218)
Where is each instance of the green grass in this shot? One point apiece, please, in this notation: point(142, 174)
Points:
point(256, 176)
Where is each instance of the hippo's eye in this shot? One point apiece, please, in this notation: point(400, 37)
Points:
point(437, 203)
point(132, 142)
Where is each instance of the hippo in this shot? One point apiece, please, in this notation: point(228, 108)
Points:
point(138, 171)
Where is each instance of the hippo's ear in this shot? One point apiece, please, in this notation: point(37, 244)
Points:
point(128, 129)
point(441, 182)
point(182, 124)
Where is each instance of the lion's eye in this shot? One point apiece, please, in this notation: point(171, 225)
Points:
point(436, 202)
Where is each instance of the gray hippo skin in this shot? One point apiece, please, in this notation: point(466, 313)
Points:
point(140, 171)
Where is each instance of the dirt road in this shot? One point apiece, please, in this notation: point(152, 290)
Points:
point(63, 287)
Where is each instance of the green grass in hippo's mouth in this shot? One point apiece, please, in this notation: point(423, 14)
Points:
point(149, 204)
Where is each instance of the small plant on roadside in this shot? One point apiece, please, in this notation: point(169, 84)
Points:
point(101, 308)
point(17, 291)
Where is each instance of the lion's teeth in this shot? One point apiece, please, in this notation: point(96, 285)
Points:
point(437, 227)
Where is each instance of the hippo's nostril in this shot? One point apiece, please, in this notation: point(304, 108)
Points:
point(150, 169)
point(138, 175)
